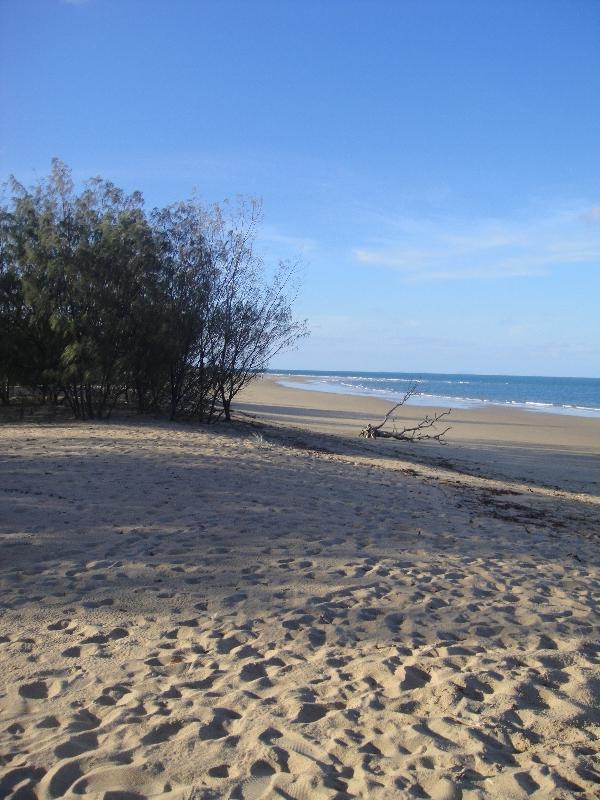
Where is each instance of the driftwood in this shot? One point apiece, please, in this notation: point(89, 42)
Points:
point(423, 430)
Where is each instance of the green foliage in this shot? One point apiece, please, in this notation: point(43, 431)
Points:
point(102, 303)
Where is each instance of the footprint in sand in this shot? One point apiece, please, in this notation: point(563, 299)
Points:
point(269, 735)
point(59, 625)
point(216, 729)
point(58, 780)
point(83, 720)
point(311, 712)
point(221, 771)
point(252, 672)
point(227, 644)
point(235, 598)
point(37, 690)
point(162, 732)
point(48, 722)
point(414, 678)
point(258, 785)
point(112, 694)
point(107, 601)
point(23, 778)
point(77, 745)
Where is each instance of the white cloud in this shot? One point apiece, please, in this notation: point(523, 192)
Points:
point(485, 249)
point(271, 235)
point(592, 215)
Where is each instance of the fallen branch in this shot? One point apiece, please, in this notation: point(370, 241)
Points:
point(418, 432)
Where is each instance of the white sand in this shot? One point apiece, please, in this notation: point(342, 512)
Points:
point(206, 614)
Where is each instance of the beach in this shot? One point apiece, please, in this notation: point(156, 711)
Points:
point(512, 444)
point(278, 608)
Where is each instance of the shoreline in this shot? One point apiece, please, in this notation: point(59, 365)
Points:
point(551, 450)
point(331, 410)
point(310, 382)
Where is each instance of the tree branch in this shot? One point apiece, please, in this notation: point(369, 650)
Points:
point(422, 430)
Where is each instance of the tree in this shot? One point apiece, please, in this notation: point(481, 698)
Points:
point(12, 313)
point(83, 260)
point(187, 285)
point(252, 320)
point(224, 321)
point(102, 303)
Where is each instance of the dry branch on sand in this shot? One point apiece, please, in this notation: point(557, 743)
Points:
point(425, 429)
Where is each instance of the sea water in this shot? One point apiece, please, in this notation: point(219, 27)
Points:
point(575, 396)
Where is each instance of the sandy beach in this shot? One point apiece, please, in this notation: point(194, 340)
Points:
point(280, 609)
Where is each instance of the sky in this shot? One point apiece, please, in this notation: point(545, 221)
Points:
point(433, 166)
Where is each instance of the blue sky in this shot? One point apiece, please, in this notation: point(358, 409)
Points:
point(434, 165)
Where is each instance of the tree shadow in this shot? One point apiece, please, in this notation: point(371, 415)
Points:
point(123, 513)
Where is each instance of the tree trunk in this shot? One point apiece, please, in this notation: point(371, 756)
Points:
point(227, 408)
point(139, 390)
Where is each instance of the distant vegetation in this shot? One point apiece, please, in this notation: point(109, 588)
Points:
point(103, 303)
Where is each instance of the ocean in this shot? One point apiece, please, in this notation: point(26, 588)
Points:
point(574, 396)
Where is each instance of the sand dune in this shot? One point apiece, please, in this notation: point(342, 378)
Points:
point(203, 614)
